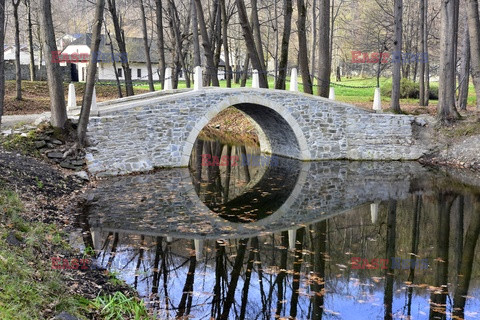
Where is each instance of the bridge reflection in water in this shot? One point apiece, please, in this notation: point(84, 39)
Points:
point(253, 241)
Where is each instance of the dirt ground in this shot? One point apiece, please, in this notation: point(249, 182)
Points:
point(36, 97)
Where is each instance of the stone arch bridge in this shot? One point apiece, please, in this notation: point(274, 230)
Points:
point(140, 133)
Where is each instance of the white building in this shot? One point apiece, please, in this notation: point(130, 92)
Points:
point(78, 53)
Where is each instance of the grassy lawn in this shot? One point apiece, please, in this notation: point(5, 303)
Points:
point(29, 287)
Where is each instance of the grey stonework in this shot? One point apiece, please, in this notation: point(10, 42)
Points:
point(41, 74)
point(166, 204)
point(140, 135)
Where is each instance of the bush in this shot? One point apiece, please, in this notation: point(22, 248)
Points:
point(409, 90)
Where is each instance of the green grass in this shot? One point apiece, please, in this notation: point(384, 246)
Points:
point(343, 94)
point(29, 287)
point(118, 306)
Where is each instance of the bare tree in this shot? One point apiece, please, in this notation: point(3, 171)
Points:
point(2, 62)
point(212, 71)
point(324, 61)
point(54, 76)
point(160, 42)
point(250, 43)
point(282, 66)
point(197, 61)
point(18, 69)
point(91, 74)
point(446, 111)
point(474, 33)
point(422, 46)
point(302, 47)
point(147, 47)
point(464, 74)
point(397, 66)
point(28, 4)
point(121, 42)
point(228, 69)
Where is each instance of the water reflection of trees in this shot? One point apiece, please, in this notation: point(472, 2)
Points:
point(261, 278)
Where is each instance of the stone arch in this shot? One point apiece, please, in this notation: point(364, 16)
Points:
point(278, 131)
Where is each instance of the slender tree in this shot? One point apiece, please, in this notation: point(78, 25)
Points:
point(397, 66)
point(422, 46)
point(474, 33)
point(160, 42)
point(2, 62)
point(197, 61)
point(28, 5)
point(302, 47)
point(18, 68)
point(446, 111)
point(250, 43)
point(91, 73)
point(324, 60)
point(121, 42)
point(226, 50)
point(146, 47)
point(287, 26)
point(212, 71)
point(54, 76)
point(464, 74)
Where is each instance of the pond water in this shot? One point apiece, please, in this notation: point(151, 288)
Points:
point(241, 235)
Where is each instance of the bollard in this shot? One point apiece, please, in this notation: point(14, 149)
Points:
point(255, 81)
point(377, 102)
point(331, 95)
point(169, 239)
point(72, 98)
point(374, 212)
point(94, 107)
point(197, 78)
point(168, 79)
point(294, 80)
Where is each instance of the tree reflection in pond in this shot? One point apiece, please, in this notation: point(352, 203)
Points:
point(299, 264)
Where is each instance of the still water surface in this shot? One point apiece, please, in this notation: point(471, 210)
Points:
point(257, 237)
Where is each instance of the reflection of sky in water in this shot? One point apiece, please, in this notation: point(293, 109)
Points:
point(175, 203)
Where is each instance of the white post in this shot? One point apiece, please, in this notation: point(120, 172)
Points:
point(168, 79)
point(294, 80)
point(197, 78)
point(331, 95)
point(255, 81)
point(94, 107)
point(198, 249)
point(72, 98)
point(292, 238)
point(374, 212)
point(377, 102)
point(169, 239)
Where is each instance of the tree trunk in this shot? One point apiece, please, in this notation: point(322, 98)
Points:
point(91, 74)
point(464, 74)
point(114, 64)
point(160, 42)
point(196, 43)
point(178, 43)
point(250, 43)
point(425, 52)
point(324, 61)
point(474, 32)
point(421, 101)
point(446, 111)
point(314, 40)
point(147, 47)
point(282, 66)
point(120, 37)
point(18, 69)
point(30, 40)
point(257, 35)
point(54, 76)
point(243, 82)
point(2, 62)
point(397, 66)
point(212, 71)
point(228, 69)
point(302, 47)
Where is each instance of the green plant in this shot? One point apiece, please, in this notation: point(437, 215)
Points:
point(118, 306)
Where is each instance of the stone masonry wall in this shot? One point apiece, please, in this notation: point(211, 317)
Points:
point(140, 135)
